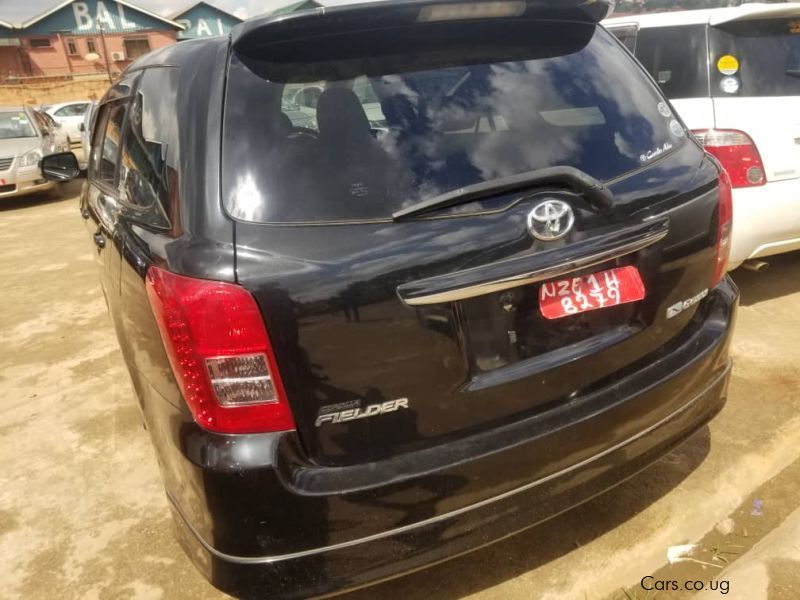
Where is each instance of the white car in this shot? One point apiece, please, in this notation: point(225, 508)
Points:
point(733, 75)
point(25, 137)
point(70, 116)
point(56, 131)
point(86, 133)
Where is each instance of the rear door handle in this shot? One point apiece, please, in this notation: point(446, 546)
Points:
point(99, 240)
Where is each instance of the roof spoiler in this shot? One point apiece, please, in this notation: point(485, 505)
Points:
point(261, 32)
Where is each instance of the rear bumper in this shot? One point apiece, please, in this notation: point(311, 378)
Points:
point(766, 221)
point(255, 518)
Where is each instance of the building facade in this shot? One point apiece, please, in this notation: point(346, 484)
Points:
point(204, 20)
point(9, 44)
point(82, 37)
point(85, 38)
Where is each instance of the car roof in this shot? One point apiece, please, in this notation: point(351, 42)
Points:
point(176, 55)
point(18, 108)
point(710, 16)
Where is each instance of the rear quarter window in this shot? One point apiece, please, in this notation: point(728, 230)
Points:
point(359, 137)
point(149, 175)
point(106, 145)
point(676, 57)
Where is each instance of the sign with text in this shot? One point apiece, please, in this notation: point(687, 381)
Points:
point(94, 16)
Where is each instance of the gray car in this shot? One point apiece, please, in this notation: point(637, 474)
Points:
point(25, 137)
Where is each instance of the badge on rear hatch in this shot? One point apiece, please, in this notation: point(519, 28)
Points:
point(550, 220)
point(679, 307)
point(352, 411)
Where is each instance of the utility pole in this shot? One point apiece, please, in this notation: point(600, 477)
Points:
point(66, 52)
point(102, 28)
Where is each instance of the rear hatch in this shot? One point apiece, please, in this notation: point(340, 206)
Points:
point(759, 91)
point(387, 241)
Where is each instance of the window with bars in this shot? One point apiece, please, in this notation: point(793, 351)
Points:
point(72, 47)
point(136, 47)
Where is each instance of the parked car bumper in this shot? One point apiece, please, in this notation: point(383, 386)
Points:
point(23, 180)
point(256, 518)
point(766, 221)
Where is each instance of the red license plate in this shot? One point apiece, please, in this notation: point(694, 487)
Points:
point(589, 292)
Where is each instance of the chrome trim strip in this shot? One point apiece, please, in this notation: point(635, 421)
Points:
point(550, 272)
point(254, 560)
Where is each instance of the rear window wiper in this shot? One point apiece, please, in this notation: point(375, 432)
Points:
point(592, 189)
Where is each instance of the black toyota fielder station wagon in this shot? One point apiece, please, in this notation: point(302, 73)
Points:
point(396, 280)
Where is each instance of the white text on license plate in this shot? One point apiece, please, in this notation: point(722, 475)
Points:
point(575, 295)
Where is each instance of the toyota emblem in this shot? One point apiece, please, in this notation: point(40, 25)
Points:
point(550, 220)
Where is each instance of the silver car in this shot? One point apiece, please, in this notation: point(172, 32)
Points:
point(25, 137)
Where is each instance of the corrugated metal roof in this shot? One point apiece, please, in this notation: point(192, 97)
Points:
point(66, 3)
point(182, 12)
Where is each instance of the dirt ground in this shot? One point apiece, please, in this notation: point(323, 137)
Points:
point(83, 514)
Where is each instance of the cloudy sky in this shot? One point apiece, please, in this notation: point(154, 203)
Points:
point(17, 11)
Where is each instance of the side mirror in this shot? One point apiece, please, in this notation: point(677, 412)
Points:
point(62, 166)
point(82, 127)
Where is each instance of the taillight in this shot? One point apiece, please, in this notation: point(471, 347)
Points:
point(724, 226)
point(737, 153)
point(220, 353)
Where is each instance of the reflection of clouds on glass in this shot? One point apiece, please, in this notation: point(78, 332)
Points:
point(617, 91)
point(429, 189)
point(617, 87)
point(144, 118)
point(517, 91)
point(390, 143)
point(394, 85)
point(248, 199)
point(624, 146)
point(444, 128)
point(513, 117)
point(158, 117)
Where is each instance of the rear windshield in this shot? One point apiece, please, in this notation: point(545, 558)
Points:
point(768, 53)
point(382, 120)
